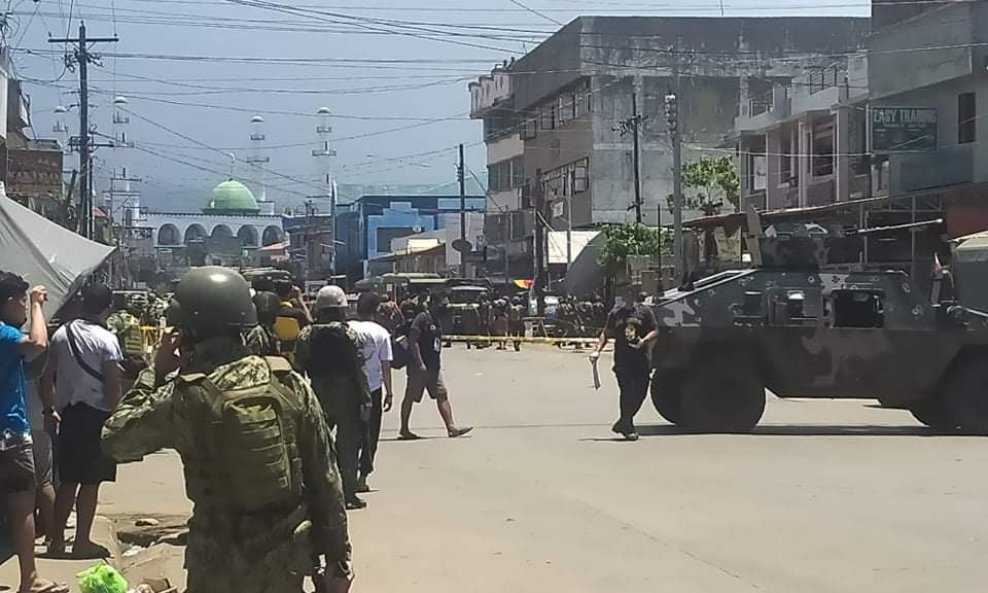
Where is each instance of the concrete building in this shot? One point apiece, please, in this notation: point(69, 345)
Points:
point(929, 70)
point(802, 141)
point(898, 123)
point(228, 231)
point(365, 232)
point(30, 169)
point(552, 118)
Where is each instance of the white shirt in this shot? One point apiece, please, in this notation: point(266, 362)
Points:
point(97, 345)
point(377, 349)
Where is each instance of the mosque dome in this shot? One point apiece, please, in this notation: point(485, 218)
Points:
point(232, 197)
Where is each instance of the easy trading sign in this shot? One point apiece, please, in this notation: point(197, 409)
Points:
point(900, 129)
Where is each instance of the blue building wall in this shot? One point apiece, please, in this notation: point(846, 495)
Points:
point(372, 221)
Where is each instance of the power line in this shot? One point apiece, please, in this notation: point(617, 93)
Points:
point(536, 12)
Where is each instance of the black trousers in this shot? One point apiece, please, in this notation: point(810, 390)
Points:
point(633, 383)
point(349, 431)
point(368, 445)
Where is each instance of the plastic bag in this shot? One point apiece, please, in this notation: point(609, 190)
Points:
point(101, 578)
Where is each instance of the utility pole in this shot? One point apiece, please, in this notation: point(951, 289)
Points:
point(632, 125)
point(672, 117)
point(83, 58)
point(507, 245)
point(637, 158)
point(461, 175)
point(569, 220)
point(539, 207)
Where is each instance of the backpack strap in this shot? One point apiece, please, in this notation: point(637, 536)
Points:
point(192, 378)
point(279, 365)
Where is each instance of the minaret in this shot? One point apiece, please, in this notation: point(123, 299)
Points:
point(323, 155)
point(256, 161)
point(123, 201)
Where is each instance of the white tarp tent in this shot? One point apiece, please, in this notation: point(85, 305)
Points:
point(45, 253)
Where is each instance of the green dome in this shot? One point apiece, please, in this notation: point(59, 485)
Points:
point(232, 196)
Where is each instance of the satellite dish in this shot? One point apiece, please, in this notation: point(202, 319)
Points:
point(462, 245)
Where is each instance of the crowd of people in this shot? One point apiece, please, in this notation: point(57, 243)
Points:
point(248, 384)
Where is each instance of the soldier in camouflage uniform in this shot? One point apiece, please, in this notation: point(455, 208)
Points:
point(156, 309)
point(261, 521)
point(331, 354)
point(125, 323)
point(261, 340)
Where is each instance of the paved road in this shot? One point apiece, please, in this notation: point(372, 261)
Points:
point(826, 496)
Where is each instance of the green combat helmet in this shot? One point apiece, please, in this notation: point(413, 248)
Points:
point(210, 300)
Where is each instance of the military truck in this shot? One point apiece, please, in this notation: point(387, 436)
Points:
point(462, 312)
point(801, 327)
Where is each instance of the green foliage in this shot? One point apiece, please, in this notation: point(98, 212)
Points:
point(711, 182)
point(623, 240)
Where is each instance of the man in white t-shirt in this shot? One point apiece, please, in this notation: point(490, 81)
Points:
point(377, 368)
point(80, 388)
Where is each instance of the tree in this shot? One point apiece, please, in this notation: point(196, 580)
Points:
point(623, 240)
point(711, 182)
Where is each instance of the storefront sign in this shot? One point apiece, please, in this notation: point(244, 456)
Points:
point(901, 129)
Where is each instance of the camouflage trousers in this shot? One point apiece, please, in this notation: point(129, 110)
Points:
point(251, 565)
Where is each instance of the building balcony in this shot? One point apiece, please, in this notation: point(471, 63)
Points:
point(489, 92)
point(758, 115)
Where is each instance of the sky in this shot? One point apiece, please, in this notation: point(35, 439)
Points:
point(394, 75)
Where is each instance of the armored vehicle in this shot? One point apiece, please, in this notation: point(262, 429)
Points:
point(800, 327)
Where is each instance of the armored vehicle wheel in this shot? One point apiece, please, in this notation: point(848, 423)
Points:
point(934, 413)
point(724, 395)
point(667, 395)
point(966, 396)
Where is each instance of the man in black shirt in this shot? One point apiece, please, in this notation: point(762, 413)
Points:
point(633, 328)
point(425, 341)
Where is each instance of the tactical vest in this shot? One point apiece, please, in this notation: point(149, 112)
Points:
point(248, 441)
point(130, 337)
point(331, 351)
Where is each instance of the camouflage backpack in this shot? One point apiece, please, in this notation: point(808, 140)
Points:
point(248, 439)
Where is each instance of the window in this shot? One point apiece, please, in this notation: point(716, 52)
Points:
point(823, 150)
point(785, 158)
point(858, 308)
point(581, 179)
point(517, 171)
point(966, 118)
point(547, 114)
point(506, 174)
point(530, 130)
point(795, 306)
point(563, 109)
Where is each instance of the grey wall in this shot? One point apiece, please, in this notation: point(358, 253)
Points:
point(555, 63)
point(707, 107)
point(901, 58)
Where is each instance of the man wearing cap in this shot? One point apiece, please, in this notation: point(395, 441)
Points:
point(330, 353)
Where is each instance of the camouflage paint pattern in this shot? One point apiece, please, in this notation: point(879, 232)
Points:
point(788, 322)
point(230, 551)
